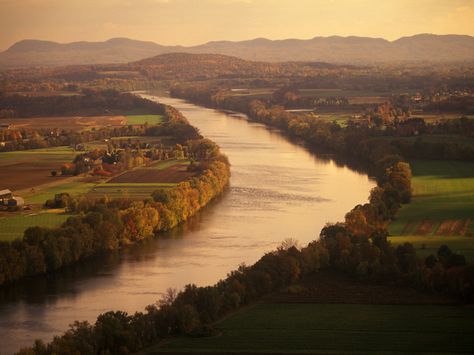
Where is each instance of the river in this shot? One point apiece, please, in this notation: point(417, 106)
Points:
point(278, 190)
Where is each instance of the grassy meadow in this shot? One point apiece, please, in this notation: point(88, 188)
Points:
point(72, 188)
point(135, 191)
point(339, 118)
point(336, 328)
point(101, 144)
point(142, 119)
point(427, 245)
point(12, 227)
point(54, 154)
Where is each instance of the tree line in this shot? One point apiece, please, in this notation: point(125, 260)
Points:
point(364, 143)
point(88, 103)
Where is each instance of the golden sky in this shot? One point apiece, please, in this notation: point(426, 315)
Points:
point(189, 22)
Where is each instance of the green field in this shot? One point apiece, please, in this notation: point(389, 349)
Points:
point(429, 245)
point(266, 93)
point(260, 93)
point(337, 328)
point(142, 139)
point(56, 154)
point(72, 188)
point(341, 119)
point(136, 191)
point(435, 138)
point(432, 118)
point(14, 226)
point(443, 192)
point(160, 165)
point(142, 119)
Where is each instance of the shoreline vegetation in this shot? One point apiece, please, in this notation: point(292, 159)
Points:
point(357, 248)
point(103, 224)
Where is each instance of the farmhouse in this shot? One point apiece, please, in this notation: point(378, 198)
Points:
point(16, 201)
point(7, 199)
point(5, 195)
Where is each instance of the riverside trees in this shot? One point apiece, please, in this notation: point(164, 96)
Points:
point(104, 225)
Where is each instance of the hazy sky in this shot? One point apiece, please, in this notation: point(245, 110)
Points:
point(189, 22)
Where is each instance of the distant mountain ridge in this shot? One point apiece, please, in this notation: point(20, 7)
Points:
point(46, 53)
point(334, 49)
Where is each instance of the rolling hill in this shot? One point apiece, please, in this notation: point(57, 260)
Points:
point(334, 49)
point(202, 66)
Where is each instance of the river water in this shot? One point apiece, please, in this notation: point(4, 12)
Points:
point(278, 190)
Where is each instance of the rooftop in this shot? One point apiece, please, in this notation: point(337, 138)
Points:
point(5, 192)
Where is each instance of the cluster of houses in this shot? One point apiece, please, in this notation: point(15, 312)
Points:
point(7, 199)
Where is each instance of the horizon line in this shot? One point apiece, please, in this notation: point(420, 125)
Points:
point(233, 41)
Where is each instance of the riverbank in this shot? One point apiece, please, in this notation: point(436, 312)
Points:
point(97, 225)
point(369, 221)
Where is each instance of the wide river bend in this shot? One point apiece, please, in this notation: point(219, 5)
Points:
point(278, 190)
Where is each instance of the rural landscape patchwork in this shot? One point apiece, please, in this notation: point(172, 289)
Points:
point(242, 196)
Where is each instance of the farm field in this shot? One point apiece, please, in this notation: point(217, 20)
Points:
point(443, 192)
point(438, 138)
point(74, 123)
point(431, 118)
point(140, 182)
point(45, 93)
point(135, 191)
point(29, 168)
point(100, 144)
point(355, 96)
point(12, 227)
point(345, 93)
point(142, 119)
point(76, 187)
point(442, 208)
point(170, 171)
point(260, 93)
point(340, 118)
point(336, 328)
point(427, 245)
